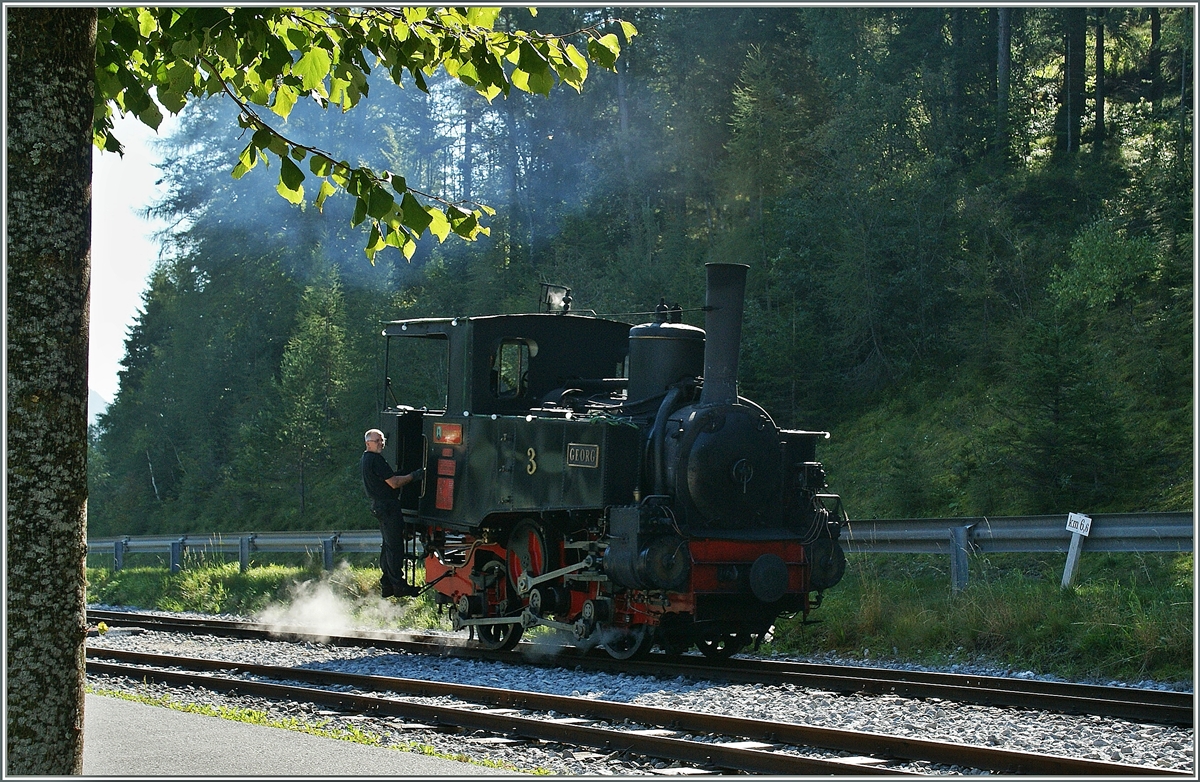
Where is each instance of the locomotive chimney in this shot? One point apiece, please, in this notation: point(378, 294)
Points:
point(723, 331)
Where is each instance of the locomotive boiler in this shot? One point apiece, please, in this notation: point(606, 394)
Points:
point(607, 481)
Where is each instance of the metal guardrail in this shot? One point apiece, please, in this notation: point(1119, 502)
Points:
point(957, 537)
point(243, 544)
point(1012, 534)
point(960, 537)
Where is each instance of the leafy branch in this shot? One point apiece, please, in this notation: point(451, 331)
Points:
point(275, 57)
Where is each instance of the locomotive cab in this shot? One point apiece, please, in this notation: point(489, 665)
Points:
point(494, 435)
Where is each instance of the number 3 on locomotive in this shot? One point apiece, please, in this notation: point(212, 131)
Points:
point(531, 467)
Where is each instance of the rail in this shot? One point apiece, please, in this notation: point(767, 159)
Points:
point(956, 537)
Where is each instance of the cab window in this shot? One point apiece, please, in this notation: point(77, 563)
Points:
point(510, 368)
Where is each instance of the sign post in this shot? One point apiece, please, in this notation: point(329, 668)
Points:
point(1079, 526)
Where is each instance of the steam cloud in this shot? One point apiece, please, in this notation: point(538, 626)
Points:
point(326, 607)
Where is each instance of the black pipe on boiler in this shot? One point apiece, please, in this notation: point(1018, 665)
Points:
point(723, 331)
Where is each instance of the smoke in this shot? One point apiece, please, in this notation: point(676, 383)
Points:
point(546, 646)
point(327, 606)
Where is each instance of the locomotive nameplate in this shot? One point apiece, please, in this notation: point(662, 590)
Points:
point(583, 455)
point(448, 434)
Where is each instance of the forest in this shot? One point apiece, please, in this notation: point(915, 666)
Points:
point(969, 233)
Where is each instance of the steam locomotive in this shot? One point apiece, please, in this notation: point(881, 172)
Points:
point(606, 480)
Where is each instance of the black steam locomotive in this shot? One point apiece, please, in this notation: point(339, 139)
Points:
point(606, 480)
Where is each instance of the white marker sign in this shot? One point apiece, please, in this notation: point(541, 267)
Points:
point(1077, 522)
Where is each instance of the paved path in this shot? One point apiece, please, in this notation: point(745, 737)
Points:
point(129, 739)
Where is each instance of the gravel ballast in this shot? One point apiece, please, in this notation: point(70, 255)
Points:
point(1106, 739)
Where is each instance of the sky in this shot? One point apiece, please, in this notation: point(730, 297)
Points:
point(123, 249)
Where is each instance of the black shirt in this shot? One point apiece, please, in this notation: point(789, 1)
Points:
point(376, 471)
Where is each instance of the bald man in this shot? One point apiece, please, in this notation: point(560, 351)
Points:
point(383, 485)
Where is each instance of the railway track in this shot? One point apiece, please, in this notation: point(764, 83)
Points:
point(707, 741)
point(1141, 705)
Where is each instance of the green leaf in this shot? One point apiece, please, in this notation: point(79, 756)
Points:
point(578, 60)
point(182, 77)
point(466, 226)
point(285, 99)
point(341, 175)
point(146, 22)
point(312, 69)
point(374, 244)
point(150, 115)
point(186, 48)
point(604, 51)
point(380, 202)
point(290, 174)
point(246, 161)
point(125, 34)
point(439, 224)
point(360, 212)
point(295, 196)
point(320, 165)
point(170, 100)
point(628, 29)
point(415, 216)
point(278, 145)
point(359, 184)
point(541, 82)
point(297, 37)
point(327, 190)
point(484, 17)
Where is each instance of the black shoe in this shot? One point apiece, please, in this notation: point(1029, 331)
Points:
point(386, 589)
point(408, 591)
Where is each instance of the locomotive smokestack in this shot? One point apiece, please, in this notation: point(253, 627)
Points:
point(723, 331)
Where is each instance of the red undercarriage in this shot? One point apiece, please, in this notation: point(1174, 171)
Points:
point(711, 562)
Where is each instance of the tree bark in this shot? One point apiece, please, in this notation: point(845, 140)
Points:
point(51, 62)
point(1155, 59)
point(1074, 55)
point(1003, 71)
point(1100, 132)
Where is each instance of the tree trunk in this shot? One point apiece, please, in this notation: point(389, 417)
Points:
point(51, 60)
point(1155, 59)
point(1100, 132)
point(1074, 54)
point(958, 67)
point(467, 164)
point(1003, 71)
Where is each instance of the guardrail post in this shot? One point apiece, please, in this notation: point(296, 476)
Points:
point(327, 546)
point(959, 548)
point(244, 544)
point(119, 548)
point(1073, 556)
point(177, 547)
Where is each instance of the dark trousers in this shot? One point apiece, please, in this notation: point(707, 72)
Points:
point(391, 554)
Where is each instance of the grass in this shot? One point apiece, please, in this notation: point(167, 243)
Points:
point(1128, 617)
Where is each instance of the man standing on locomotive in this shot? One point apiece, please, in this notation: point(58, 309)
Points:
point(383, 488)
